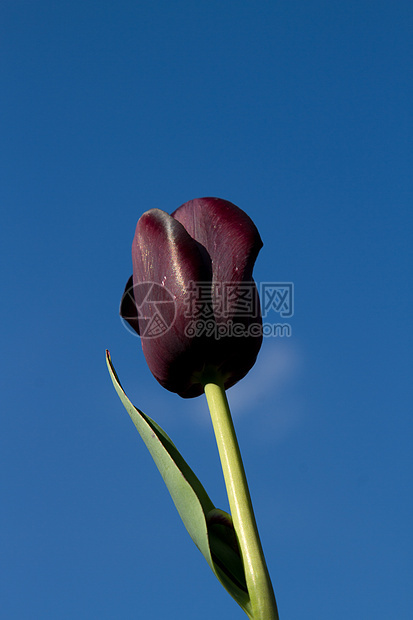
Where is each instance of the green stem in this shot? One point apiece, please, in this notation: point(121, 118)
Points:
point(257, 577)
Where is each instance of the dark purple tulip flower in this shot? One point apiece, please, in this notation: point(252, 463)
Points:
point(192, 298)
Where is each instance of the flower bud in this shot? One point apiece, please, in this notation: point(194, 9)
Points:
point(192, 298)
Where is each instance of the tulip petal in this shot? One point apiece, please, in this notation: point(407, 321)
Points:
point(228, 234)
point(164, 254)
point(233, 242)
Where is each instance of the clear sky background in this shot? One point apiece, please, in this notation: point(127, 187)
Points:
point(301, 113)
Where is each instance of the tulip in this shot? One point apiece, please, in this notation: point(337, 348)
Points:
point(192, 298)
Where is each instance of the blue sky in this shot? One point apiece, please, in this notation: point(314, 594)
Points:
point(299, 112)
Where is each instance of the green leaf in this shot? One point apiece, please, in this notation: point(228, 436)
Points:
point(211, 529)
